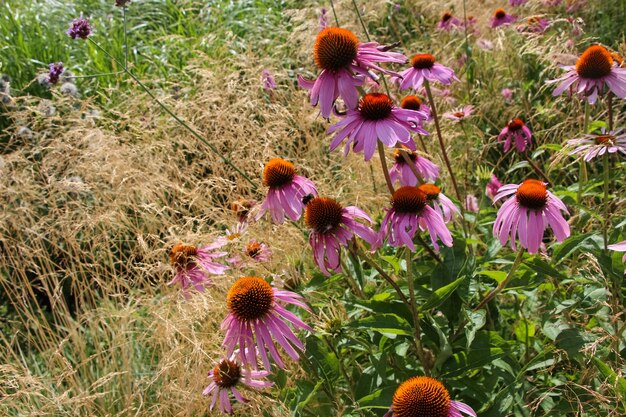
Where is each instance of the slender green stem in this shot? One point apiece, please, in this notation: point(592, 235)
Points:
point(610, 110)
point(358, 13)
point(607, 203)
point(332, 6)
point(349, 381)
point(582, 168)
point(428, 249)
point(407, 160)
point(178, 119)
point(125, 38)
point(503, 284)
point(361, 253)
point(383, 163)
point(536, 168)
point(415, 314)
point(351, 281)
point(468, 53)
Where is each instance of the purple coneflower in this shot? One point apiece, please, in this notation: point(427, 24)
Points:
point(286, 190)
point(619, 247)
point(255, 313)
point(192, 265)
point(55, 71)
point(268, 80)
point(402, 171)
point(415, 103)
point(595, 68)
point(460, 114)
point(517, 2)
point(535, 24)
point(410, 211)
point(344, 63)
point(448, 22)
point(515, 131)
point(377, 118)
point(424, 66)
point(493, 186)
point(79, 28)
point(501, 17)
point(471, 203)
point(442, 204)
point(225, 378)
point(332, 226)
point(422, 396)
point(597, 145)
point(527, 214)
point(257, 251)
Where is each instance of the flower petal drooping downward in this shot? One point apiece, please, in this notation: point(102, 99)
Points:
point(424, 67)
point(597, 145)
point(501, 17)
point(619, 247)
point(528, 213)
point(344, 64)
point(402, 171)
point(377, 118)
point(257, 318)
point(517, 133)
point(333, 226)
point(192, 265)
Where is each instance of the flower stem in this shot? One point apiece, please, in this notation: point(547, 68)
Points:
point(607, 203)
point(178, 119)
point(468, 53)
point(441, 144)
point(358, 13)
point(503, 284)
point(415, 314)
point(383, 163)
point(125, 38)
point(361, 253)
point(610, 110)
point(582, 169)
point(536, 168)
point(407, 160)
point(351, 281)
point(332, 6)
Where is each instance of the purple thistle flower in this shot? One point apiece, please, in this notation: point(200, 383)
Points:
point(79, 28)
point(226, 376)
point(377, 118)
point(402, 171)
point(409, 212)
point(527, 214)
point(492, 187)
point(256, 314)
point(268, 80)
point(501, 17)
point(424, 66)
point(55, 71)
point(422, 396)
point(345, 63)
point(442, 204)
point(286, 190)
point(597, 145)
point(619, 247)
point(594, 69)
point(449, 22)
point(332, 226)
point(515, 131)
point(192, 265)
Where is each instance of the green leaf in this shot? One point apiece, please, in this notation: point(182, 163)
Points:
point(541, 266)
point(441, 294)
point(524, 330)
point(499, 276)
point(389, 325)
point(611, 376)
point(568, 246)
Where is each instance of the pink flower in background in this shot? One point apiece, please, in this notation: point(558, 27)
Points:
point(377, 118)
point(597, 145)
point(257, 251)
point(424, 66)
point(619, 247)
point(256, 312)
point(461, 114)
point(515, 132)
point(226, 376)
point(594, 69)
point(527, 214)
point(286, 190)
point(471, 203)
point(484, 44)
point(324, 20)
point(79, 28)
point(534, 24)
point(402, 171)
point(507, 94)
point(55, 71)
point(448, 22)
point(501, 17)
point(331, 226)
point(192, 264)
point(492, 187)
point(344, 63)
point(517, 2)
point(575, 5)
point(410, 212)
point(268, 80)
point(442, 204)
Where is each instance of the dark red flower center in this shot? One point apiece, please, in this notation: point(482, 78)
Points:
point(605, 140)
point(411, 103)
point(421, 396)
point(226, 374)
point(335, 48)
point(398, 155)
point(278, 172)
point(323, 214)
point(253, 249)
point(532, 194)
point(515, 125)
point(596, 62)
point(431, 191)
point(408, 199)
point(500, 14)
point(423, 61)
point(459, 114)
point(250, 298)
point(375, 106)
point(446, 16)
point(183, 256)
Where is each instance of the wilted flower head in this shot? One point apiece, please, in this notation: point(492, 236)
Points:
point(331, 226)
point(55, 71)
point(377, 118)
point(226, 376)
point(286, 190)
point(593, 145)
point(460, 114)
point(401, 170)
point(69, 89)
point(594, 69)
point(501, 17)
point(256, 312)
point(448, 22)
point(424, 66)
point(192, 264)
point(515, 132)
point(527, 214)
point(422, 396)
point(268, 80)
point(344, 63)
point(79, 28)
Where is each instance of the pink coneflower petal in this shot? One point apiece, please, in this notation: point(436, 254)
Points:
point(517, 133)
point(592, 145)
